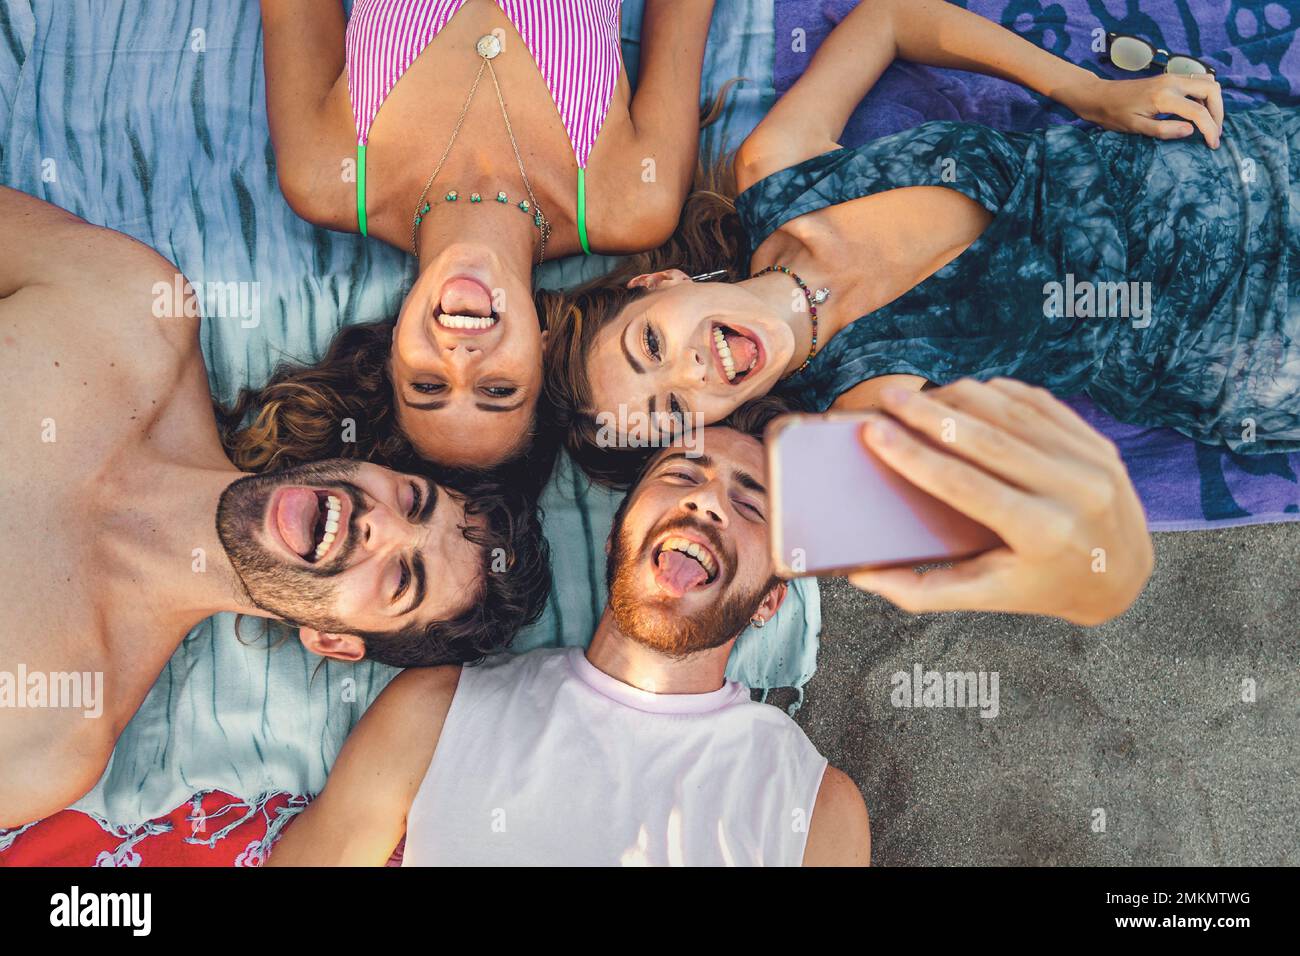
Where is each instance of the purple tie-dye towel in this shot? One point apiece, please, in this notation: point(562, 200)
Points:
point(1255, 51)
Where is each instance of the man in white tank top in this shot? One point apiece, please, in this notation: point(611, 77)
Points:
point(636, 752)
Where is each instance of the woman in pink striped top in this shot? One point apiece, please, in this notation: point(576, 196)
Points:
point(565, 159)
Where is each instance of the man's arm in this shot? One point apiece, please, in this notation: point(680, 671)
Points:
point(360, 816)
point(304, 60)
point(840, 832)
point(1022, 463)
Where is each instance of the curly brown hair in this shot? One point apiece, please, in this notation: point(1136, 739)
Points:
point(708, 238)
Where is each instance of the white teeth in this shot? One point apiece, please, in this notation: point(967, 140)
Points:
point(332, 509)
point(466, 321)
point(693, 550)
point(724, 353)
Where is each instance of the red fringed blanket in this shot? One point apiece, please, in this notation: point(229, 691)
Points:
point(212, 829)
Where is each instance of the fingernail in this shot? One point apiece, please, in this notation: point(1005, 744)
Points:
point(893, 395)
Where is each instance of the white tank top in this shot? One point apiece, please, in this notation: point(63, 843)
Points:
point(546, 760)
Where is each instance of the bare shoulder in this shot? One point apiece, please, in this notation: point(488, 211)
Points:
point(417, 695)
point(46, 245)
point(840, 833)
point(61, 275)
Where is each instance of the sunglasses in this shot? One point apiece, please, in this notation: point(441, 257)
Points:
point(1134, 54)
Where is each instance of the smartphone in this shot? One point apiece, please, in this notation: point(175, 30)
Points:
point(836, 508)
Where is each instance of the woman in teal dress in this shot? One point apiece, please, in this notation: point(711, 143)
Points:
point(1151, 264)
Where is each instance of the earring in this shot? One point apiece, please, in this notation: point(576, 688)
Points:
point(758, 622)
point(706, 276)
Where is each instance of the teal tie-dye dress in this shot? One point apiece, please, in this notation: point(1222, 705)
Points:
point(1160, 278)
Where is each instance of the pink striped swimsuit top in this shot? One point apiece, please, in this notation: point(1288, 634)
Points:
point(575, 44)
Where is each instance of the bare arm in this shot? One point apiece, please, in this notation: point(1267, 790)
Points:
point(840, 832)
point(810, 118)
point(666, 105)
point(303, 55)
point(360, 816)
point(665, 112)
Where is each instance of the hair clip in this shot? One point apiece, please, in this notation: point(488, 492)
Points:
point(706, 276)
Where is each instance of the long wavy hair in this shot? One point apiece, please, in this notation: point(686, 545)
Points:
point(342, 407)
point(708, 238)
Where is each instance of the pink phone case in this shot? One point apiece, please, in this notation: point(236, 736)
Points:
point(836, 508)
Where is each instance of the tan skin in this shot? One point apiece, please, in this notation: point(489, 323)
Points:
point(906, 234)
point(314, 135)
point(100, 524)
point(361, 815)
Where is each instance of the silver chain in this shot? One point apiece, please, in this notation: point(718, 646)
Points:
point(545, 227)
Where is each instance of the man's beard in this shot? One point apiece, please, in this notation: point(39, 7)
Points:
point(658, 623)
point(299, 596)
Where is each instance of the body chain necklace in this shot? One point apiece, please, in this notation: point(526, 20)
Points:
point(488, 47)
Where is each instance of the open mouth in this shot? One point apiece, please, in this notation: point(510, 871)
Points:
point(682, 565)
point(465, 306)
point(310, 522)
point(736, 353)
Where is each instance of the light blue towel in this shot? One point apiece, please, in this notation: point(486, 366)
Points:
point(148, 116)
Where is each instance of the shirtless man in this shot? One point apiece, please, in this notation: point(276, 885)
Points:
point(124, 525)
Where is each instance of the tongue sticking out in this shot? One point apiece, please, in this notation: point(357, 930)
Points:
point(466, 297)
point(679, 571)
point(743, 351)
point(296, 519)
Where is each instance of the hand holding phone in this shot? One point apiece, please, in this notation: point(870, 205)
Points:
point(1023, 464)
point(837, 508)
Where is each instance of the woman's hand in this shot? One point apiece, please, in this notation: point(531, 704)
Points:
point(1131, 106)
point(1022, 463)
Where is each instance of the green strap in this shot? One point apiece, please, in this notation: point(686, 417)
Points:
point(582, 210)
point(361, 188)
